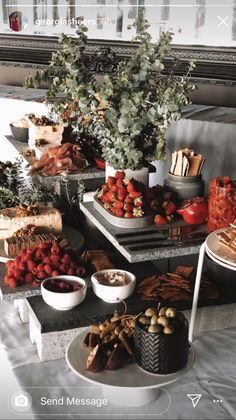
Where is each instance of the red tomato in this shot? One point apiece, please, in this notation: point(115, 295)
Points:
point(194, 211)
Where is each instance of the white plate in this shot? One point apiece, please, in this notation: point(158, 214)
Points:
point(217, 261)
point(129, 376)
point(219, 251)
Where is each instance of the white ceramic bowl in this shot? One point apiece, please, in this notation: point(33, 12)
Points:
point(113, 294)
point(64, 301)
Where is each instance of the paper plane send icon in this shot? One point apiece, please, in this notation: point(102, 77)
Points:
point(194, 398)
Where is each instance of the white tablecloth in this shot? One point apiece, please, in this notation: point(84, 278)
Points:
point(213, 375)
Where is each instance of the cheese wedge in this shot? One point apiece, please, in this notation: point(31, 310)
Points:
point(48, 218)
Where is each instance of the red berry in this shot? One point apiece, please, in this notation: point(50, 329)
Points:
point(48, 269)
point(31, 264)
point(63, 268)
point(41, 275)
point(6, 279)
point(17, 260)
point(55, 249)
point(128, 215)
point(55, 258)
point(29, 278)
point(10, 264)
point(120, 174)
point(130, 187)
point(80, 271)
point(128, 207)
point(111, 196)
point(114, 188)
point(119, 204)
point(135, 194)
point(119, 213)
point(160, 220)
point(73, 264)
point(23, 266)
point(46, 260)
point(71, 272)
point(66, 259)
point(18, 273)
point(12, 282)
point(45, 245)
point(110, 181)
point(55, 273)
point(121, 193)
point(38, 254)
point(40, 267)
point(128, 200)
point(22, 253)
point(119, 182)
point(36, 283)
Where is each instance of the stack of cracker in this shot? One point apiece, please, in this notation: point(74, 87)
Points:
point(228, 238)
point(186, 162)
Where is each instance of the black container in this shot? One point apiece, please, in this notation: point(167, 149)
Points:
point(185, 187)
point(19, 133)
point(219, 274)
point(161, 353)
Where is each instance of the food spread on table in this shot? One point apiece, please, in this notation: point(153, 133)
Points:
point(113, 278)
point(59, 285)
point(186, 162)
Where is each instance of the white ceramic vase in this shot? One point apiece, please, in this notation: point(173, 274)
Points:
point(141, 175)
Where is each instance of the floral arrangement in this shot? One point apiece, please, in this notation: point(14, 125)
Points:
point(128, 112)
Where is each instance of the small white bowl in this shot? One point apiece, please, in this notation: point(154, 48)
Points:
point(113, 294)
point(64, 301)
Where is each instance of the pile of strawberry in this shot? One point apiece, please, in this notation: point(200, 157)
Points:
point(123, 196)
point(162, 203)
point(47, 260)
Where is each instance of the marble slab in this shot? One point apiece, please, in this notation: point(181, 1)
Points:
point(109, 231)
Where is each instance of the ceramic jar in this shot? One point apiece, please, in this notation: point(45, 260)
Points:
point(185, 187)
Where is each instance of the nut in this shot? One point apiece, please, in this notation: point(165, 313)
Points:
point(155, 329)
point(150, 312)
point(154, 320)
point(162, 311)
point(168, 330)
point(143, 320)
point(163, 320)
point(171, 312)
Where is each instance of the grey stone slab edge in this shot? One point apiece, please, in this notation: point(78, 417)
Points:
point(138, 256)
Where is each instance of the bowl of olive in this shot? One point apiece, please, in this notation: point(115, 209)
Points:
point(161, 340)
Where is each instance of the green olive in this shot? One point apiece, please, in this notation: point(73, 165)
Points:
point(171, 312)
point(150, 312)
point(154, 320)
point(169, 330)
point(143, 320)
point(156, 329)
point(163, 320)
point(162, 311)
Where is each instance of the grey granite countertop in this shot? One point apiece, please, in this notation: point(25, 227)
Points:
point(110, 232)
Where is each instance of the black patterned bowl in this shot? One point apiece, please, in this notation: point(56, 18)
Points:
point(161, 353)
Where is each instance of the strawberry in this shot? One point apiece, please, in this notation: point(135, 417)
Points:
point(71, 272)
point(113, 210)
point(110, 181)
point(119, 213)
point(41, 275)
point(128, 200)
point(12, 282)
point(128, 215)
point(56, 273)
point(55, 249)
point(114, 188)
point(160, 220)
point(80, 271)
point(169, 207)
point(135, 194)
point(105, 188)
point(119, 204)
point(119, 182)
point(131, 186)
point(48, 269)
point(122, 193)
point(29, 278)
point(128, 207)
point(138, 202)
point(111, 196)
point(120, 174)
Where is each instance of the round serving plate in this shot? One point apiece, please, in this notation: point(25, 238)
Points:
point(75, 238)
point(131, 384)
point(220, 262)
point(219, 251)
